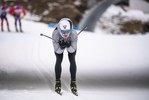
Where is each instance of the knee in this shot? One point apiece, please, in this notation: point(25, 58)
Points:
point(71, 58)
point(59, 57)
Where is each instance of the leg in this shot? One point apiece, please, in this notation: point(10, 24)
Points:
point(59, 58)
point(16, 18)
point(7, 24)
point(2, 24)
point(20, 24)
point(73, 67)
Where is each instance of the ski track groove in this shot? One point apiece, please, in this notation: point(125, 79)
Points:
point(34, 62)
point(30, 57)
point(47, 72)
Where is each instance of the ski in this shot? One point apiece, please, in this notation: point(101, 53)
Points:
point(59, 93)
point(75, 93)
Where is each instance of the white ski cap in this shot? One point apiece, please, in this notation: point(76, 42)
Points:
point(64, 25)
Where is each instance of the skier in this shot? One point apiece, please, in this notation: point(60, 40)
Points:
point(16, 12)
point(3, 13)
point(65, 37)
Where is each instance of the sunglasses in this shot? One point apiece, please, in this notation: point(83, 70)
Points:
point(65, 31)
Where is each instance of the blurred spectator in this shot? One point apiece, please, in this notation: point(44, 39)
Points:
point(16, 12)
point(3, 13)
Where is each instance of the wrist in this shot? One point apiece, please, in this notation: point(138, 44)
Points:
point(68, 44)
point(63, 47)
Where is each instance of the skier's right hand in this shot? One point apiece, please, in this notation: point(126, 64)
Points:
point(62, 44)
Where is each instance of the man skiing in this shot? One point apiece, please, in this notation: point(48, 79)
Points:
point(16, 12)
point(65, 37)
point(3, 13)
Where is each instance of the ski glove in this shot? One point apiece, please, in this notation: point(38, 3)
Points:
point(62, 44)
point(23, 17)
point(68, 43)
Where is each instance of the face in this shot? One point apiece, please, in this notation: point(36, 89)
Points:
point(65, 33)
point(18, 6)
point(5, 6)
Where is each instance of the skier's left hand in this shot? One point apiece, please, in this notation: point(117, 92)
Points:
point(68, 43)
point(23, 17)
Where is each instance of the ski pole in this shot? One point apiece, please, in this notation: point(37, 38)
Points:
point(46, 36)
point(82, 30)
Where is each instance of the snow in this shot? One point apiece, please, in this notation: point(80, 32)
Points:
point(109, 67)
point(114, 16)
point(131, 13)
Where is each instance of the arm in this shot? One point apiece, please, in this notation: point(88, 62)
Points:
point(0, 12)
point(12, 10)
point(74, 40)
point(24, 12)
point(55, 40)
point(7, 10)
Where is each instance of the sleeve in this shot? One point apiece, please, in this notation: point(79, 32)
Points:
point(24, 12)
point(55, 40)
point(74, 40)
point(12, 10)
point(0, 12)
point(7, 10)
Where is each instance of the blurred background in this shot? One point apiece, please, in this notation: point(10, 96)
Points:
point(51, 11)
point(112, 54)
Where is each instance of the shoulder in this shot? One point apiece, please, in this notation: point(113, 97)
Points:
point(15, 6)
point(74, 33)
point(55, 34)
point(1, 8)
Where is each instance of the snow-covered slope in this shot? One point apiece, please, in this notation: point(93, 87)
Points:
point(112, 21)
point(108, 66)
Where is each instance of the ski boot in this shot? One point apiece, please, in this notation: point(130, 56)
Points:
point(21, 30)
point(2, 29)
point(8, 30)
point(16, 30)
point(73, 87)
point(58, 87)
